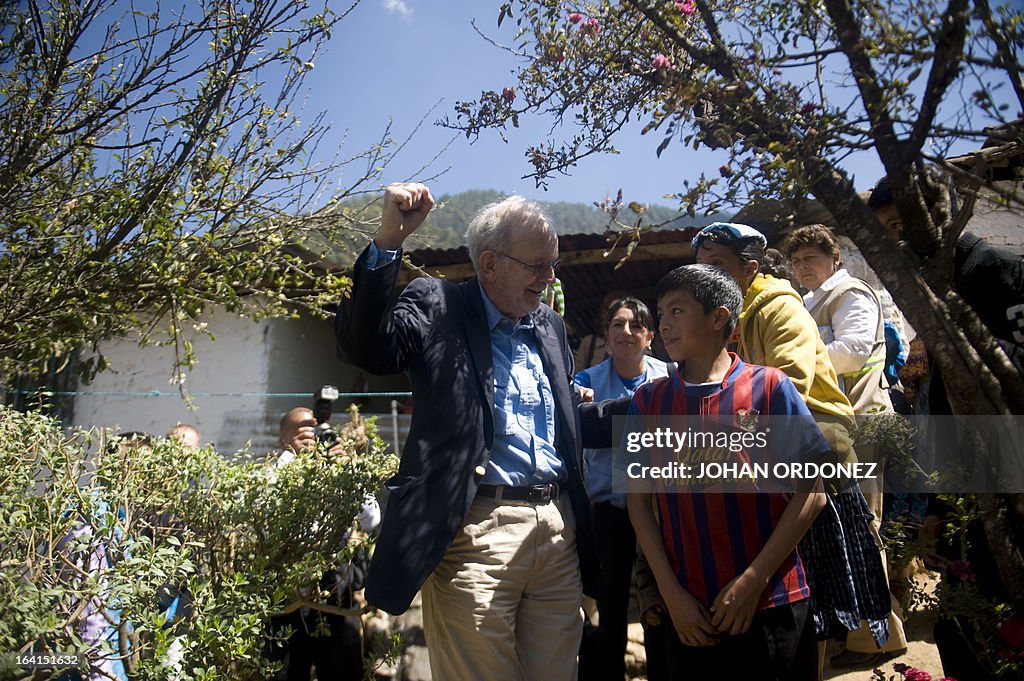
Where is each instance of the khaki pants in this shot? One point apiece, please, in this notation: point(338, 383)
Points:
point(504, 603)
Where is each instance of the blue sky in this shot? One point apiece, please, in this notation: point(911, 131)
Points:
point(398, 58)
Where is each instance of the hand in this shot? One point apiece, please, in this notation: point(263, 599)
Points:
point(652, 615)
point(337, 451)
point(734, 609)
point(689, 617)
point(406, 205)
point(586, 394)
point(304, 439)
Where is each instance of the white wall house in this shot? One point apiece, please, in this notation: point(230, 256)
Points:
point(248, 375)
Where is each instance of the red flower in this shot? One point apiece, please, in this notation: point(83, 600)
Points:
point(592, 25)
point(575, 18)
point(1012, 631)
point(913, 674)
point(508, 94)
point(660, 61)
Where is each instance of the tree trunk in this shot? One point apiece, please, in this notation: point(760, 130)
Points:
point(1002, 517)
point(975, 388)
point(978, 390)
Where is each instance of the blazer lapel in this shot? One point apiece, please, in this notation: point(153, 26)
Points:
point(479, 338)
point(549, 344)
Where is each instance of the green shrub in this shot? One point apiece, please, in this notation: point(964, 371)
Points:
point(241, 536)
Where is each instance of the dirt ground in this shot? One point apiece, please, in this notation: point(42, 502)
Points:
point(921, 651)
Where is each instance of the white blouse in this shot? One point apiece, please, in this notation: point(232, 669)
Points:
point(852, 334)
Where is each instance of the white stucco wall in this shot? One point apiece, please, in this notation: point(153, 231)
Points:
point(303, 358)
point(246, 378)
point(137, 392)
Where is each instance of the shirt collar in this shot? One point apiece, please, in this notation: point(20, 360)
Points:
point(811, 298)
point(494, 315)
point(834, 280)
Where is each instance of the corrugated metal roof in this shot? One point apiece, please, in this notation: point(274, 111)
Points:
point(586, 273)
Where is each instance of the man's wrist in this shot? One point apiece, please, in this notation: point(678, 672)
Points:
point(377, 257)
point(386, 243)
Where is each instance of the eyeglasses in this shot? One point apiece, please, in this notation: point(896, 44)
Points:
point(537, 270)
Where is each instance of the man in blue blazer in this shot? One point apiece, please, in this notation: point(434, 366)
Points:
point(487, 514)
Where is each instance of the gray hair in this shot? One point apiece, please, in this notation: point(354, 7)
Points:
point(490, 229)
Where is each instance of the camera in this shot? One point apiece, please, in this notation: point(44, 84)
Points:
point(323, 402)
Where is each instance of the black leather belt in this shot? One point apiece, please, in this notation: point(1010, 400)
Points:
point(537, 494)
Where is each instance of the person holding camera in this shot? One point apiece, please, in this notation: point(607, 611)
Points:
point(338, 654)
point(488, 512)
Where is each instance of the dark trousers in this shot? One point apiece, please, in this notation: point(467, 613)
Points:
point(615, 542)
point(779, 646)
point(336, 653)
point(655, 646)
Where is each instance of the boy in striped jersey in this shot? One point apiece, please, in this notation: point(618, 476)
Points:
point(725, 561)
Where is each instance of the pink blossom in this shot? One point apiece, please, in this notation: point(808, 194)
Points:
point(575, 18)
point(660, 61)
point(914, 674)
point(508, 94)
point(686, 6)
point(592, 25)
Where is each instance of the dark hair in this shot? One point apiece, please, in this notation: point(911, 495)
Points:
point(747, 248)
point(131, 438)
point(881, 194)
point(931, 179)
point(776, 264)
point(812, 236)
point(711, 287)
point(641, 312)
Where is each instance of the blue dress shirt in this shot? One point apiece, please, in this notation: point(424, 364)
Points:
point(524, 406)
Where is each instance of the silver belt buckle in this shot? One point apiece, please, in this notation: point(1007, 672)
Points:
point(544, 493)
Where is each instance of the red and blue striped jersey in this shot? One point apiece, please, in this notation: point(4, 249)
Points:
point(711, 536)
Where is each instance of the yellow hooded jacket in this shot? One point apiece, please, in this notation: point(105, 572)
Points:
point(776, 330)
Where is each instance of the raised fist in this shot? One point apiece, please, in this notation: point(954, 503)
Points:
point(406, 205)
